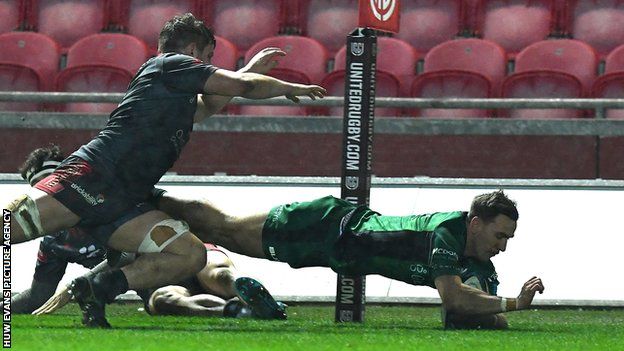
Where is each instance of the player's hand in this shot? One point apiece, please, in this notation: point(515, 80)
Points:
point(312, 91)
point(528, 291)
point(264, 61)
point(60, 299)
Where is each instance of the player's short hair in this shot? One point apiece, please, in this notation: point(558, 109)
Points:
point(488, 206)
point(34, 161)
point(182, 30)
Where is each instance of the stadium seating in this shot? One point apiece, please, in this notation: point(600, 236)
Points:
point(28, 62)
point(11, 15)
point(305, 62)
point(395, 57)
point(225, 54)
point(551, 69)
point(515, 24)
point(67, 21)
point(611, 84)
point(101, 63)
point(330, 21)
point(600, 23)
point(427, 23)
point(470, 68)
point(145, 18)
point(244, 22)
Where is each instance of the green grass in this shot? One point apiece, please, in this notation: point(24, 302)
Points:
point(312, 328)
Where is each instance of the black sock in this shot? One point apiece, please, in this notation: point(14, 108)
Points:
point(107, 285)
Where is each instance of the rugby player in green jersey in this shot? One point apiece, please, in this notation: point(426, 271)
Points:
point(446, 250)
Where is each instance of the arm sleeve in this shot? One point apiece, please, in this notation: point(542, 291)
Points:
point(186, 74)
point(445, 251)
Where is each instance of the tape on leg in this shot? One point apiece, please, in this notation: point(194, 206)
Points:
point(26, 213)
point(162, 234)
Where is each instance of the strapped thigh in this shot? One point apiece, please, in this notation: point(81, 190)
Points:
point(25, 211)
point(162, 234)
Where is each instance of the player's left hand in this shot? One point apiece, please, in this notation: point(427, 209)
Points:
point(264, 61)
point(60, 299)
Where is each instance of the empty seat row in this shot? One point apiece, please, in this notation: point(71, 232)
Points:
point(513, 24)
point(472, 68)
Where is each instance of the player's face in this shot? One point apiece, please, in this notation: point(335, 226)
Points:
point(491, 237)
point(206, 55)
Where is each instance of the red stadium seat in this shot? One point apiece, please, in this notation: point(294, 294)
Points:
point(471, 68)
point(473, 55)
point(11, 14)
point(28, 62)
point(387, 85)
point(600, 23)
point(449, 84)
point(66, 21)
point(330, 21)
point(611, 85)
point(115, 49)
point(394, 56)
point(552, 68)
point(101, 63)
point(244, 22)
point(615, 60)
point(515, 24)
point(304, 55)
point(145, 18)
point(427, 23)
point(225, 55)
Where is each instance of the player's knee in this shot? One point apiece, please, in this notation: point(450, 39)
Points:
point(26, 214)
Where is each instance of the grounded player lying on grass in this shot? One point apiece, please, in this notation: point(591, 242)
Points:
point(435, 250)
point(203, 294)
point(105, 183)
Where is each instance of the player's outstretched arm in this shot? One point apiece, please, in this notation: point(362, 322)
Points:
point(459, 298)
point(258, 86)
point(261, 63)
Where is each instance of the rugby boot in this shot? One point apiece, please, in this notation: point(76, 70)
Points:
point(93, 309)
point(258, 298)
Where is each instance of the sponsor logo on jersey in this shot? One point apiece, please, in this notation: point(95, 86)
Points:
point(92, 200)
point(273, 253)
point(445, 252)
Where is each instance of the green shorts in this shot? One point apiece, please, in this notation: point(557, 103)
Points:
point(305, 234)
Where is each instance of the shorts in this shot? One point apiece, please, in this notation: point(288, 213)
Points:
point(96, 197)
point(102, 233)
point(307, 234)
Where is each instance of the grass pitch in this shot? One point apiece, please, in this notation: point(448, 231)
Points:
point(312, 328)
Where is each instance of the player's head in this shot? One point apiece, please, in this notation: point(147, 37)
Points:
point(491, 222)
point(187, 35)
point(40, 163)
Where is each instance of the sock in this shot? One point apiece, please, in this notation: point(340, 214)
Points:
point(107, 285)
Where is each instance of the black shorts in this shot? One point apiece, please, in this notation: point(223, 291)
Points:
point(103, 232)
point(92, 194)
